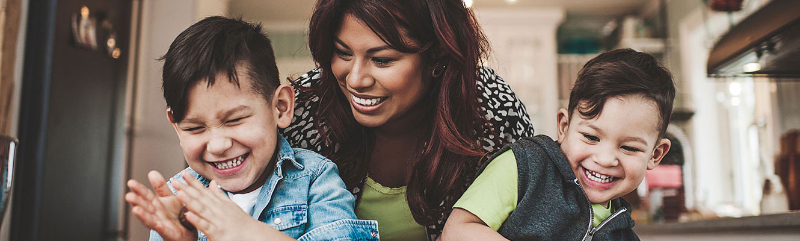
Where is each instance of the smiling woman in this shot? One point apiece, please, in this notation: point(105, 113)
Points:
point(401, 104)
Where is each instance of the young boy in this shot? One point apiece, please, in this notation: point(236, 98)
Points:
point(611, 133)
point(226, 103)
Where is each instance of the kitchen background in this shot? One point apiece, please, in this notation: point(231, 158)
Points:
point(81, 91)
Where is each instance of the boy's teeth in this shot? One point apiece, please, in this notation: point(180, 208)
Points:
point(230, 164)
point(367, 102)
point(597, 177)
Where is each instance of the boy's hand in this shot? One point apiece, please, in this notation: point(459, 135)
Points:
point(219, 218)
point(159, 213)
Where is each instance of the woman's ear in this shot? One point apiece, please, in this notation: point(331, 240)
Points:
point(661, 149)
point(562, 124)
point(283, 102)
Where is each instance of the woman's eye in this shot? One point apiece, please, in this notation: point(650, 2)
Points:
point(631, 149)
point(382, 61)
point(591, 137)
point(342, 54)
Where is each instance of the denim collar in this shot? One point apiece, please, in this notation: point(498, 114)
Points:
point(285, 152)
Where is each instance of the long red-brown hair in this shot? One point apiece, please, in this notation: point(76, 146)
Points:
point(444, 32)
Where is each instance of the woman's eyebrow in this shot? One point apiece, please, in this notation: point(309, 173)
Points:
point(371, 50)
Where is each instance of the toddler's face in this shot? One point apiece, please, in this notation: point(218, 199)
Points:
point(229, 133)
point(610, 153)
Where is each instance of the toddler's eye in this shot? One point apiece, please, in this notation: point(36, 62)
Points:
point(631, 149)
point(591, 137)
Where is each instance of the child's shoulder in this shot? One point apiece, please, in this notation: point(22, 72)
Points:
point(311, 161)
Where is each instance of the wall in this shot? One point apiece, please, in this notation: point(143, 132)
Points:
point(13, 114)
point(524, 54)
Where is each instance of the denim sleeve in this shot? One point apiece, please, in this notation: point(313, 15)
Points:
point(154, 236)
point(330, 209)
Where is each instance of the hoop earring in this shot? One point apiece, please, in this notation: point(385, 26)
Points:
point(438, 70)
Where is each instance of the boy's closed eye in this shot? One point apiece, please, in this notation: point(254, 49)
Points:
point(235, 121)
point(193, 129)
point(631, 149)
point(591, 137)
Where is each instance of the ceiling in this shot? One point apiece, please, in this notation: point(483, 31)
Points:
point(588, 10)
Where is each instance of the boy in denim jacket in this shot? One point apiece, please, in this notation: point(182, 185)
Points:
point(226, 103)
point(570, 189)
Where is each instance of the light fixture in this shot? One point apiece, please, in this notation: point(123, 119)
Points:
point(511, 1)
point(751, 67)
point(735, 88)
point(468, 3)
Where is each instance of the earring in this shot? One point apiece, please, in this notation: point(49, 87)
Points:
point(438, 70)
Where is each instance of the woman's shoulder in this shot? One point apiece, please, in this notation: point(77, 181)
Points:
point(302, 132)
point(502, 109)
point(309, 79)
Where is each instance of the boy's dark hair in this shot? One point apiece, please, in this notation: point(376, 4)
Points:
point(623, 72)
point(217, 45)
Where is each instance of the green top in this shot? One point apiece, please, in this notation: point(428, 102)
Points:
point(600, 213)
point(389, 207)
point(494, 194)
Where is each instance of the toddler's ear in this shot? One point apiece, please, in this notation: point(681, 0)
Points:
point(661, 149)
point(283, 102)
point(562, 124)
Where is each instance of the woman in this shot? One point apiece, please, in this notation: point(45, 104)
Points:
point(401, 104)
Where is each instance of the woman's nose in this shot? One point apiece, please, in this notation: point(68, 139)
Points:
point(359, 76)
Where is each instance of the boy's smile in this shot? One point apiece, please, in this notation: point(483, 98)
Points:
point(229, 133)
point(610, 153)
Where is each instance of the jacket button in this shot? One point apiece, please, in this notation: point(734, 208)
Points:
point(277, 221)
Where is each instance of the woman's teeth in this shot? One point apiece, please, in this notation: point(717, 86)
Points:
point(597, 177)
point(230, 164)
point(367, 102)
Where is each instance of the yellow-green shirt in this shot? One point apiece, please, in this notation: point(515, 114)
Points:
point(389, 207)
point(494, 194)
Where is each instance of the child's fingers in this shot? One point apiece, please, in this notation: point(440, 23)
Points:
point(216, 190)
point(194, 200)
point(140, 190)
point(147, 219)
point(199, 223)
point(192, 181)
point(159, 184)
point(138, 201)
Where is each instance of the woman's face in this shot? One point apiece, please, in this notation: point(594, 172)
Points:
point(383, 86)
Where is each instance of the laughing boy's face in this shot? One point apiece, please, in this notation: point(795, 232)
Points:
point(610, 153)
point(229, 133)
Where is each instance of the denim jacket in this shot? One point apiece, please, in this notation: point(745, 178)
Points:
point(305, 199)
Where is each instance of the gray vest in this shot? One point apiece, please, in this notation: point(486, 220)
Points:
point(551, 204)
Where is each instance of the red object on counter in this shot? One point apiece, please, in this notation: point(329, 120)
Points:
point(664, 176)
point(726, 5)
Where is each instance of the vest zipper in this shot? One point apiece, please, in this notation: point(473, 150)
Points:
point(588, 235)
point(592, 230)
point(599, 226)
